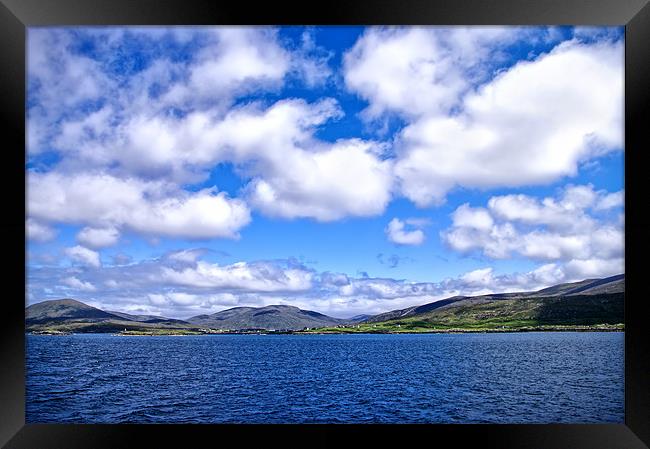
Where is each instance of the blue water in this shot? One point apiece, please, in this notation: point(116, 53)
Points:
point(436, 378)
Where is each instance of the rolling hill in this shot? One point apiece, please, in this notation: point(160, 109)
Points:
point(592, 302)
point(613, 284)
point(269, 317)
point(69, 315)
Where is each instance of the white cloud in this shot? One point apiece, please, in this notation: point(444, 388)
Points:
point(263, 277)
point(475, 218)
point(193, 301)
point(158, 288)
point(567, 106)
point(84, 256)
point(199, 215)
point(547, 229)
point(397, 234)
point(105, 201)
point(345, 180)
point(415, 71)
point(78, 285)
point(594, 268)
point(291, 173)
point(423, 74)
point(236, 60)
point(98, 237)
point(186, 255)
point(130, 143)
point(310, 61)
point(611, 201)
point(555, 214)
point(60, 80)
point(298, 176)
point(481, 277)
point(39, 232)
point(590, 33)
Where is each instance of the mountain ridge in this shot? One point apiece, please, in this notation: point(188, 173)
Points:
point(616, 284)
point(586, 301)
point(269, 317)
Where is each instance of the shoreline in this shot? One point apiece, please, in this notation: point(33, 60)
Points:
point(343, 332)
point(474, 331)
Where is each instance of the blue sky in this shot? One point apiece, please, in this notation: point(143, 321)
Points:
point(347, 170)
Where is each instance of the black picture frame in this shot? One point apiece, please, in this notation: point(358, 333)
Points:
point(17, 15)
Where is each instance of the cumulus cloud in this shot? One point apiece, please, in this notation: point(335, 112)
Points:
point(562, 116)
point(481, 277)
point(220, 64)
point(567, 104)
point(236, 58)
point(475, 218)
point(57, 90)
point(186, 255)
point(397, 233)
point(76, 284)
point(175, 121)
point(39, 232)
point(121, 142)
point(415, 71)
point(346, 180)
point(83, 255)
point(105, 201)
point(260, 276)
point(292, 174)
point(611, 200)
point(98, 237)
point(172, 121)
point(310, 61)
point(181, 299)
point(551, 229)
point(161, 287)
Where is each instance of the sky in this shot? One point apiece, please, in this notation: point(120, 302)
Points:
point(348, 170)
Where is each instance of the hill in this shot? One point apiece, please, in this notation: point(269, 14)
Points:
point(589, 303)
point(64, 310)
point(613, 284)
point(277, 317)
point(69, 315)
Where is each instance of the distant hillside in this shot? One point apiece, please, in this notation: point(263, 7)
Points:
point(613, 284)
point(359, 318)
point(591, 302)
point(70, 315)
point(63, 310)
point(269, 317)
point(587, 303)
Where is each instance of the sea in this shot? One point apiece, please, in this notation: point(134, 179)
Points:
point(526, 377)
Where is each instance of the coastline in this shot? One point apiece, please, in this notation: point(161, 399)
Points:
point(349, 331)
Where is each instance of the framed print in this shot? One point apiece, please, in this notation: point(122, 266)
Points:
point(349, 223)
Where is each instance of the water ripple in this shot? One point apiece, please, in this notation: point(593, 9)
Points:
point(482, 378)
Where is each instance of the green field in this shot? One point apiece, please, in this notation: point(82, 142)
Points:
point(593, 312)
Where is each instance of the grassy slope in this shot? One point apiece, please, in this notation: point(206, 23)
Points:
point(577, 312)
point(85, 326)
point(555, 313)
